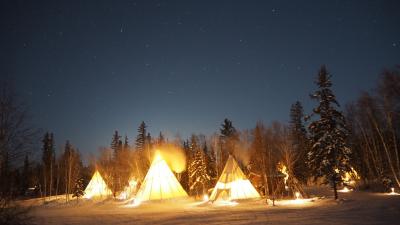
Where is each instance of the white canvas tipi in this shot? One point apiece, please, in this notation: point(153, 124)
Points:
point(160, 183)
point(97, 187)
point(233, 184)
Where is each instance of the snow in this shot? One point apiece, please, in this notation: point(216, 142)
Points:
point(353, 208)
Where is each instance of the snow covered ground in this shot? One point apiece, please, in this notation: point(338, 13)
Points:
point(354, 208)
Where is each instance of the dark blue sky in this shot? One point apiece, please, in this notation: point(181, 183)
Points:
point(87, 68)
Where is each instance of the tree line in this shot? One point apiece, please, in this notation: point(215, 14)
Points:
point(317, 146)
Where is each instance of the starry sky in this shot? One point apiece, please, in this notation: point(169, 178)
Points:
point(87, 68)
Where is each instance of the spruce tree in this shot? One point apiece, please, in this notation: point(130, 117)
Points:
point(78, 190)
point(116, 146)
point(198, 174)
point(193, 145)
point(329, 154)
point(116, 143)
point(185, 175)
point(141, 137)
point(143, 148)
point(47, 159)
point(212, 165)
point(228, 137)
point(300, 141)
point(161, 139)
point(126, 144)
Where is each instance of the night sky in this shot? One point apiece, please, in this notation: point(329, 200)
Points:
point(86, 68)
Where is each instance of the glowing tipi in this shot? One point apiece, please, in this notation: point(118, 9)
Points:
point(233, 184)
point(97, 187)
point(160, 183)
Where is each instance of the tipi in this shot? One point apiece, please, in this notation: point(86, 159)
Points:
point(233, 184)
point(160, 183)
point(97, 187)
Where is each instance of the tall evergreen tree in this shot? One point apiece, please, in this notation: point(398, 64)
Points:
point(329, 154)
point(141, 137)
point(126, 143)
point(212, 165)
point(161, 139)
point(117, 164)
point(228, 137)
point(190, 156)
point(198, 175)
point(143, 149)
point(116, 143)
point(78, 190)
point(47, 158)
point(185, 175)
point(299, 140)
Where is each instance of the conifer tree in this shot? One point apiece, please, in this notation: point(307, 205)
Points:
point(116, 143)
point(185, 174)
point(329, 154)
point(228, 138)
point(143, 149)
point(198, 174)
point(47, 158)
point(141, 137)
point(78, 190)
point(117, 167)
point(190, 156)
point(212, 165)
point(161, 139)
point(299, 140)
point(126, 144)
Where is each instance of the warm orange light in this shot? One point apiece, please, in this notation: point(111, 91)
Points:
point(392, 192)
point(159, 183)
point(350, 177)
point(233, 184)
point(97, 187)
point(129, 190)
point(345, 189)
point(283, 169)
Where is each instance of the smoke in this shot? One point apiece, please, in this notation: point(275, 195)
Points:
point(242, 147)
point(241, 153)
point(174, 156)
